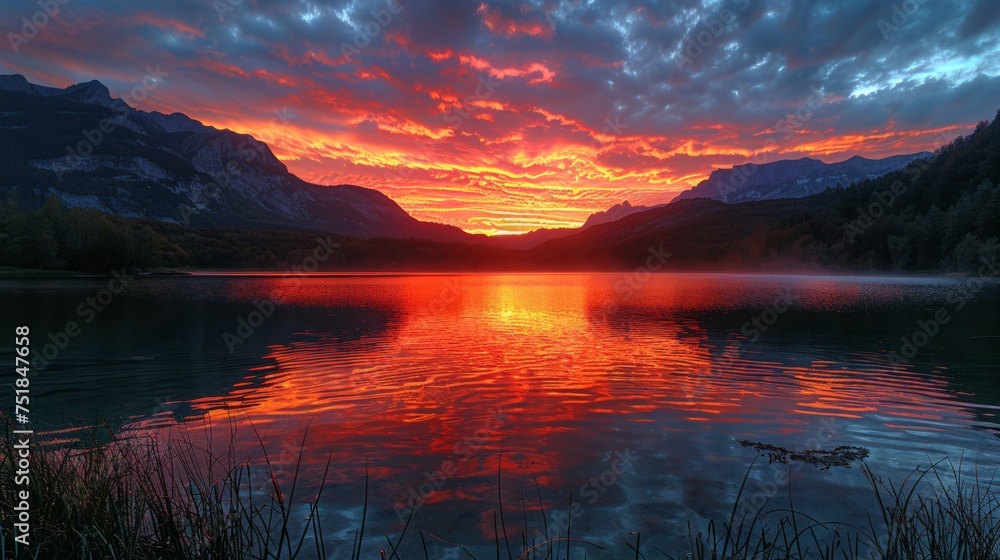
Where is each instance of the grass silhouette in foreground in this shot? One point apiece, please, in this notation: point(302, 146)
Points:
point(131, 497)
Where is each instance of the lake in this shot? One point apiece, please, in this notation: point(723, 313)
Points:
point(629, 392)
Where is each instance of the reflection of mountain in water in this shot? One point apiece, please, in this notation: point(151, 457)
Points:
point(405, 373)
point(159, 344)
point(835, 342)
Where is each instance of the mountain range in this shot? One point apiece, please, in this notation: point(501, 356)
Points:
point(91, 150)
point(792, 178)
point(940, 213)
point(537, 237)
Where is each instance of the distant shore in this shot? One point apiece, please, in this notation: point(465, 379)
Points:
point(15, 273)
point(12, 272)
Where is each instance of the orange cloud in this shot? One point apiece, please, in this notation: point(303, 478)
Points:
point(544, 73)
point(878, 140)
point(402, 127)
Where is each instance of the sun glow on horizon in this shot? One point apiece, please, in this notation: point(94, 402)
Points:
point(509, 189)
point(500, 118)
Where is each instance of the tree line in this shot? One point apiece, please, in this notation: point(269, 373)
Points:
point(54, 237)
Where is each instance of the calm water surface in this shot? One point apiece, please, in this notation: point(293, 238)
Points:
point(630, 393)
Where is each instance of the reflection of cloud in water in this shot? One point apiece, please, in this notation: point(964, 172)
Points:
point(386, 369)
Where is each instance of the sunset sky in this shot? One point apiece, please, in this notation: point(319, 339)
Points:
point(503, 117)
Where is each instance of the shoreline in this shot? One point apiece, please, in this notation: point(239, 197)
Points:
point(14, 273)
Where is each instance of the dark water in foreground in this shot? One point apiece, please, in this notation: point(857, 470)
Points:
point(630, 393)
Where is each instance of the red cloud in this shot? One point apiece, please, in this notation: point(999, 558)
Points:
point(546, 149)
point(161, 22)
point(498, 23)
point(439, 56)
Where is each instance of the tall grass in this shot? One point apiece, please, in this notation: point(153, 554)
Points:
point(935, 513)
point(129, 495)
point(953, 517)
